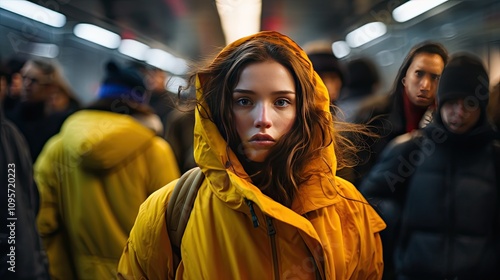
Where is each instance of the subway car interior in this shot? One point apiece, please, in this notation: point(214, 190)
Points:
point(175, 34)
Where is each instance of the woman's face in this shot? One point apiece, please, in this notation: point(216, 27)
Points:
point(460, 115)
point(264, 106)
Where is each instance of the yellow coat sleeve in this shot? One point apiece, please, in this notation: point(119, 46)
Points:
point(49, 218)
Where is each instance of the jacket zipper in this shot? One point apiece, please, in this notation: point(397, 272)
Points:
point(255, 221)
point(271, 231)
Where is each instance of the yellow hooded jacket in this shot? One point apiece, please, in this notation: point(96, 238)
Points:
point(330, 232)
point(92, 178)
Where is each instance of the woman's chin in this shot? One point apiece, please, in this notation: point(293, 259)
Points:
point(257, 156)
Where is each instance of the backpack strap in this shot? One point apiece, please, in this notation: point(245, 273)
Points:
point(179, 208)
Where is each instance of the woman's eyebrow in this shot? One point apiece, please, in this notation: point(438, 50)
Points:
point(239, 90)
point(248, 91)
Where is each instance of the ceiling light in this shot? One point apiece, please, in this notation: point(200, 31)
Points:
point(414, 8)
point(133, 48)
point(365, 34)
point(239, 18)
point(34, 12)
point(341, 49)
point(97, 35)
point(166, 61)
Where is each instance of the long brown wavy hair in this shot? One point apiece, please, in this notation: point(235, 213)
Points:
point(284, 170)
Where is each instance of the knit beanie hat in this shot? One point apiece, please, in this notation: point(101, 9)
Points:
point(123, 83)
point(464, 77)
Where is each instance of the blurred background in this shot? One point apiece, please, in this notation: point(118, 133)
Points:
point(174, 34)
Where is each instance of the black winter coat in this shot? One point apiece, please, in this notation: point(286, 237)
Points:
point(439, 194)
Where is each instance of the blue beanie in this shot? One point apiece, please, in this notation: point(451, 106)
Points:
point(122, 83)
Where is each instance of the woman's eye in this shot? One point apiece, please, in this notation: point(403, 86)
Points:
point(282, 102)
point(243, 102)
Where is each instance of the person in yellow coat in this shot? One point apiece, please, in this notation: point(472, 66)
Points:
point(270, 206)
point(94, 175)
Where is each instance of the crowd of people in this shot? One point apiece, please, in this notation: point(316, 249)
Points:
point(308, 170)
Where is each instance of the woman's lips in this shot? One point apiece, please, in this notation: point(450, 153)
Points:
point(262, 140)
point(262, 137)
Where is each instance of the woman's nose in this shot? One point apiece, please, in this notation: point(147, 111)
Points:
point(262, 116)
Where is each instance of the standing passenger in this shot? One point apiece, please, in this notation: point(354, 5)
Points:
point(94, 175)
point(270, 206)
point(403, 109)
point(32, 115)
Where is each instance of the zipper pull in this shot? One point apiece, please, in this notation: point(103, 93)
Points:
point(255, 221)
point(270, 227)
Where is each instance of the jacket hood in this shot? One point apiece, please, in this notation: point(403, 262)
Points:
point(101, 140)
point(230, 181)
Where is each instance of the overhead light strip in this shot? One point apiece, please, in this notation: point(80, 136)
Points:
point(133, 48)
point(365, 34)
point(414, 8)
point(97, 35)
point(34, 12)
point(166, 61)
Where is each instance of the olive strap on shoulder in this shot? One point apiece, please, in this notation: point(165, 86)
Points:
point(179, 208)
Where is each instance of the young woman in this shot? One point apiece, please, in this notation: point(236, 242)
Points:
point(270, 206)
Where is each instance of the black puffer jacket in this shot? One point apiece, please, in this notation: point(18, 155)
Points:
point(439, 194)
